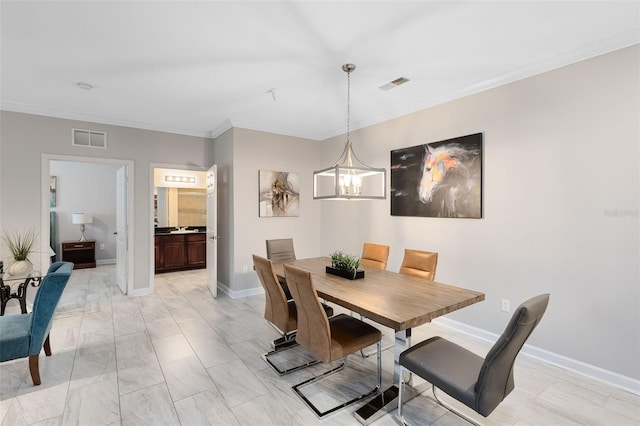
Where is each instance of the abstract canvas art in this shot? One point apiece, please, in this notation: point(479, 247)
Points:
point(438, 179)
point(279, 193)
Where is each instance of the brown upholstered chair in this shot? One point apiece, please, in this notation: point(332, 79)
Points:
point(281, 250)
point(280, 312)
point(374, 256)
point(420, 264)
point(480, 384)
point(329, 339)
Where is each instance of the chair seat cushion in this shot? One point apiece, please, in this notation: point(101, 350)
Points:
point(446, 365)
point(14, 336)
point(349, 335)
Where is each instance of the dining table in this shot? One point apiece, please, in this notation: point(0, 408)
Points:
point(398, 301)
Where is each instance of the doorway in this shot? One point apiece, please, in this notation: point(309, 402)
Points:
point(181, 201)
point(74, 193)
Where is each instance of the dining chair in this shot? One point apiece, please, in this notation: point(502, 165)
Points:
point(419, 264)
point(329, 339)
point(25, 335)
point(280, 312)
point(374, 256)
point(479, 383)
point(281, 250)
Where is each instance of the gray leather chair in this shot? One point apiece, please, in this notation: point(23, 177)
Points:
point(281, 250)
point(480, 384)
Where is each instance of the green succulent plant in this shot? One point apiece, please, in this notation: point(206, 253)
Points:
point(20, 244)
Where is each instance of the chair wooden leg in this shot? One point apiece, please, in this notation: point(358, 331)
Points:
point(47, 346)
point(34, 369)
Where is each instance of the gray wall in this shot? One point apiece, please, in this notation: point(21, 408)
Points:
point(561, 196)
point(26, 137)
point(88, 188)
point(254, 151)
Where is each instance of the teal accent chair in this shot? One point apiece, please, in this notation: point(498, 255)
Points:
point(25, 335)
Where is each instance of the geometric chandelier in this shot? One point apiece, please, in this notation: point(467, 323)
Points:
point(349, 178)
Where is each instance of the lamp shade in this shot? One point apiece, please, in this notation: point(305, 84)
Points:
point(81, 218)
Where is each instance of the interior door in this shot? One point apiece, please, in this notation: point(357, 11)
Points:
point(212, 230)
point(122, 266)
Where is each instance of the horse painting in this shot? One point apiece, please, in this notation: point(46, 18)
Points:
point(440, 179)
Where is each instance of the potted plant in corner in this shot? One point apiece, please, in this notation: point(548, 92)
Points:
point(345, 266)
point(20, 245)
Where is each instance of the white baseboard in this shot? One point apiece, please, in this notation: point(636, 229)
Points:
point(240, 293)
point(106, 262)
point(141, 292)
point(588, 370)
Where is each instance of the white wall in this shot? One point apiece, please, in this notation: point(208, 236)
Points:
point(561, 196)
point(254, 151)
point(87, 188)
point(26, 137)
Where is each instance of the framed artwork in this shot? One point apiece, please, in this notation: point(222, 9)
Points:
point(438, 179)
point(279, 193)
point(52, 190)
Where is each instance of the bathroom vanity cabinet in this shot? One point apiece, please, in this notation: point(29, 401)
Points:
point(180, 252)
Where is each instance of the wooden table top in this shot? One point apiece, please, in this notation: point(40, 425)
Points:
point(394, 300)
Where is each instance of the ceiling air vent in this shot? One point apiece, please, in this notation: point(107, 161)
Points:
point(89, 138)
point(395, 83)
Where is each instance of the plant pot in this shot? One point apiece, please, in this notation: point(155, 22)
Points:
point(345, 274)
point(20, 267)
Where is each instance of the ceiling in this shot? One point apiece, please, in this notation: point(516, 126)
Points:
point(199, 68)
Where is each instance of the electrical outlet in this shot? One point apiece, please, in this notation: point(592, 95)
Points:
point(245, 269)
point(101, 246)
point(506, 305)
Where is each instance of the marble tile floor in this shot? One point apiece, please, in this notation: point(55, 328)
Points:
point(180, 357)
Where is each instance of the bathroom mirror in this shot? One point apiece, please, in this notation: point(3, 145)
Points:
point(179, 207)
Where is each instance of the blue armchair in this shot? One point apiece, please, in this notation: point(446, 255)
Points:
point(25, 335)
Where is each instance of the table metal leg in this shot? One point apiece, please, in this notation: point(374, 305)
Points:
point(388, 399)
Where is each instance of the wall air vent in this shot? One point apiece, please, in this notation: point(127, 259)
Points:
point(89, 138)
point(395, 83)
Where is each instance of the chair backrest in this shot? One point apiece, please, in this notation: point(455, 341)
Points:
point(313, 332)
point(420, 264)
point(495, 381)
point(374, 255)
point(276, 308)
point(45, 303)
point(280, 250)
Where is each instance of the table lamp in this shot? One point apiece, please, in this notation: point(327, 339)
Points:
point(81, 219)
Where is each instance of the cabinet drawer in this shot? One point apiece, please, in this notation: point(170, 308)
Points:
point(80, 245)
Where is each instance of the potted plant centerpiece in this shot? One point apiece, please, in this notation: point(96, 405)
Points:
point(345, 265)
point(20, 246)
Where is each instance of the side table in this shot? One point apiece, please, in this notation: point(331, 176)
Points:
point(81, 253)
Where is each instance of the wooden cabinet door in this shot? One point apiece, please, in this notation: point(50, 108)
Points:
point(173, 252)
point(196, 250)
point(158, 254)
